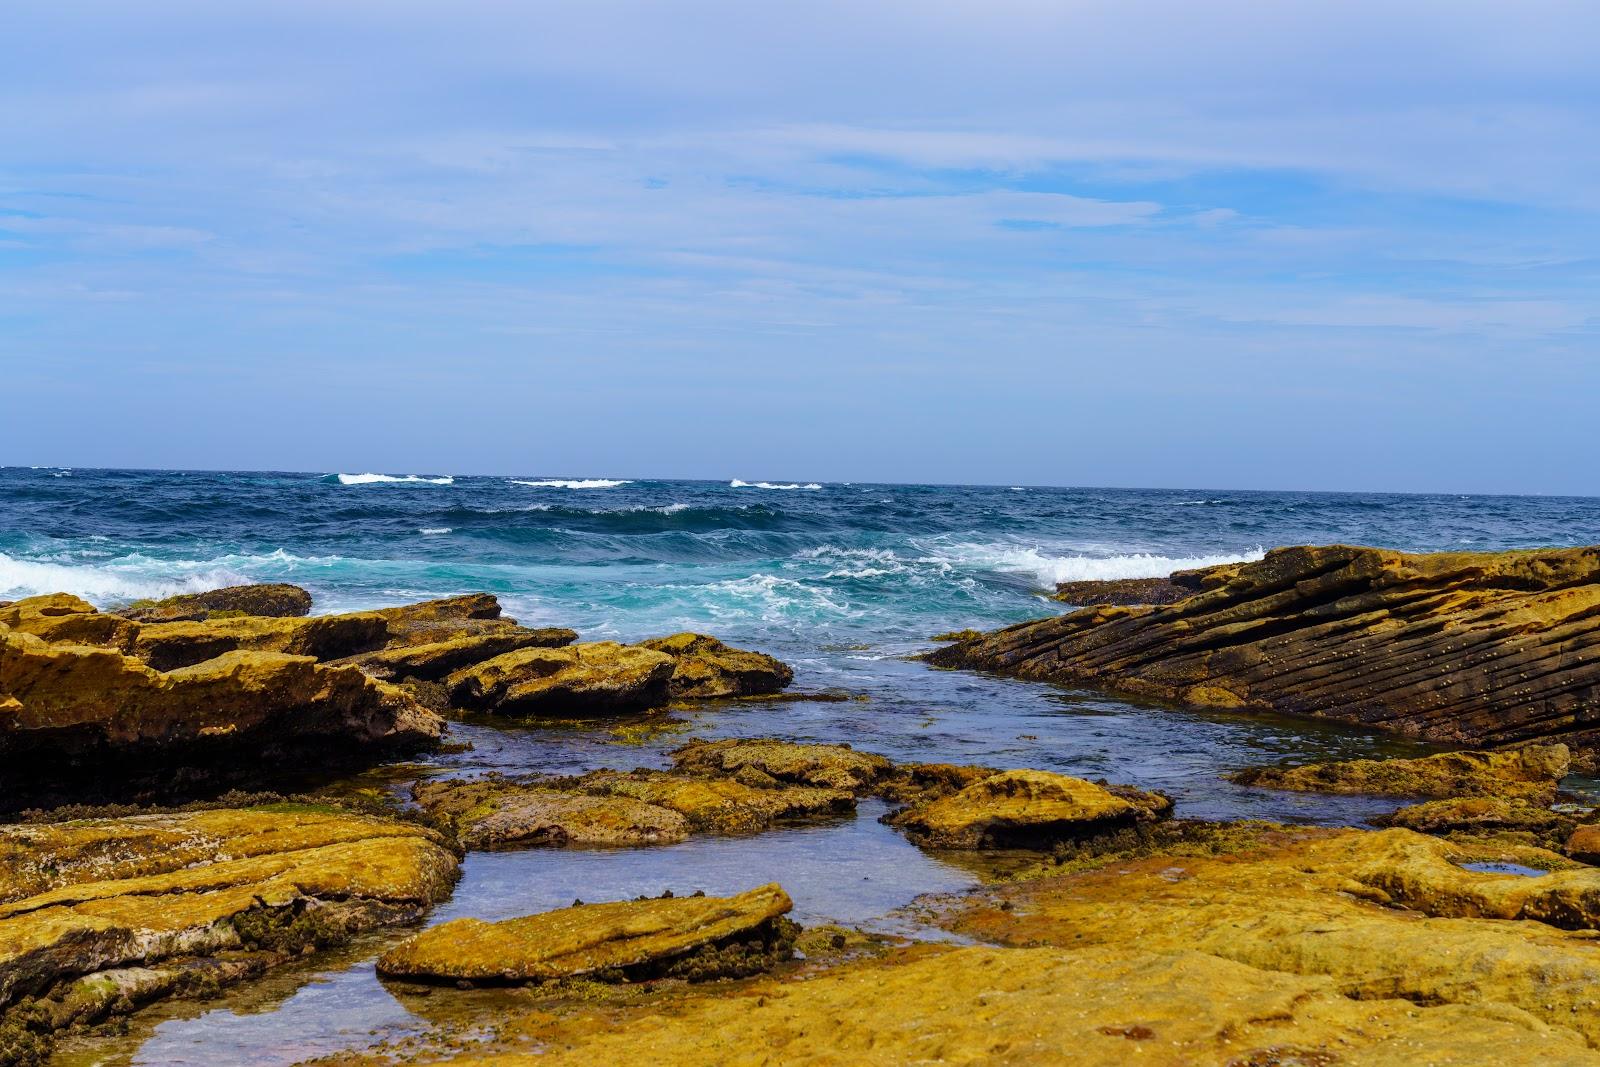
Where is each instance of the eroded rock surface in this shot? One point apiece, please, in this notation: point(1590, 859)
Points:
point(1531, 773)
point(1471, 648)
point(1024, 809)
point(497, 812)
point(274, 599)
point(823, 766)
point(581, 679)
point(722, 805)
point(695, 937)
point(706, 667)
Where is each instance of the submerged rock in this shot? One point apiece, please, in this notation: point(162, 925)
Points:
point(825, 766)
point(705, 667)
point(497, 812)
point(99, 915)
point(1531, 773)
point(1024, 809)
point(695, 937)
point(1486, 649)
point(81, 721)
point(274, 600)
point(581, 679)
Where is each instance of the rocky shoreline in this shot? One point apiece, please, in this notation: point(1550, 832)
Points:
point(1111, 924)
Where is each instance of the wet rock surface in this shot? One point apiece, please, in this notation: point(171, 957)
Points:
point(1024, 809)
point(706, 667)
point(695, 937)
point(823, 766)
point(1470, 648)
point(495, 812)
point(1531, 773)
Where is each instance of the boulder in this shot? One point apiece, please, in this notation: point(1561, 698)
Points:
point(1481, 649)
point(64, 617)
point(581, 679)
point(430, 621)
point(85, 721)
point(436, 659)
point(721, 805)
point(496, 812)
point(1583, 843)
point(169, 645)
point(1023, 809)
point(1531, 773)
point(824, 766)
point(696, 937)
point(276, 600)
point(705, 667)
point(1484, 815)
point(97, 915)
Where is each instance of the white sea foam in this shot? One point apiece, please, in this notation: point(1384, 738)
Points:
point(1047, 569)
point(374, 479)
point(574, 483)
point(436, 530)
point(127, 578)
point(739, 484)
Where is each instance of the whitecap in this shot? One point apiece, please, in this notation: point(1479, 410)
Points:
point(1047, 570)
point(574, 483)
point(128, 578)
point(413, 479)
point(740, 484)
point(436, 530)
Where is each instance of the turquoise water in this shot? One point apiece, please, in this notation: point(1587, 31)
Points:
point(843, 581)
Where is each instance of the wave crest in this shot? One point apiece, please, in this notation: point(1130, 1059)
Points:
point(1049, 570)
point(740, 484)
point(376, 479)
point(574, 483)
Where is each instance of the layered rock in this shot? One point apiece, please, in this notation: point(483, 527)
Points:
point(706, 667)
point(697, 937)
point(64, 617)
point(721, 806)
point(824, 766)
point(1531, 773)
point(582, 679)
point(496, 812)
point(1485, 816)
point(170, 645)
point(78, 721)
point(1473, 648)
point(98, 916)
point(273, 599)
point(1025, 809)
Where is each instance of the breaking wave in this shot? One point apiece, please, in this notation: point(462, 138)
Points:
point(1047, 570)
point(374, 479)
point(574, 483)
point(739, 484)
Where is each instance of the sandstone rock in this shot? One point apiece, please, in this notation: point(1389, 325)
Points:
point(1019, 809)
point(919, 783)
point(96, 913)
point(1583, 844)
point(90, 721)
point(958, 635)
point(275, 600)
point(695, 937)
point(169, 645)
point(1040, 1007)
point(64, 617)
point(721, 806)
point(824, 766)
point(495, 812)
point(580, 679)
point(436, 659)
point(1121, 591)
point(1486, 649)
point(1483, 815)
point(1531, 773)
point(444, 619)
point(705, 667)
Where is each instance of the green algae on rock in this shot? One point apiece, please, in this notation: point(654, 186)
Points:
point(273, 599)
point(823, 766)
point(696, 937)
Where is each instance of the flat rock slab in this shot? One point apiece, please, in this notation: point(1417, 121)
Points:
point(503, 813)
point(1531, 773)
point(708, 668)
point(273, 599)
point(603, 940)
point(1023, 809)
point(823, 766)
point(80, 898)
point(721, 805)
point(581, 679)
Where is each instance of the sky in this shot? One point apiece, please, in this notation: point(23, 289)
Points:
point(1310, 245)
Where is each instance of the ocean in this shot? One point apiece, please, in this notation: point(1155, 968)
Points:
point(845, 581)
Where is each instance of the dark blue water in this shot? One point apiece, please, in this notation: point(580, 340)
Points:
point(843, 581)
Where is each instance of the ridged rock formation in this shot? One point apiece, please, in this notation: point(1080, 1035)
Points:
point(1487, 649)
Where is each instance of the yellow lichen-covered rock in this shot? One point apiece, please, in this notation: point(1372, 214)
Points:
point(495, 812)
point(98, 896)
point(1019, 809)
point(824, 766)
point(1531, 773)
point(1383, 914)
point(273, 599)
point(706, 667)
point(91, 719)
point(1098, 1007)
point(721, 805)
point(695, 936)
point(435, 659)
point(580, 679)
point(1485, 649)
point(1480, 815)
point(1583, 843)
point(169, 645)
point(64, 617)
point(450, 617)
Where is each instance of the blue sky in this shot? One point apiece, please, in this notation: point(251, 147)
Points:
point(1300, 245)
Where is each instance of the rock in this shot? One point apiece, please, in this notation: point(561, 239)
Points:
point(1583, 844)
point(96, 915)
point(1484, 649)
point(582, 679)
point(430, 621)
point(169, 645)
point(275, 600)
point(1479, 815)
point(919, 783)
point(1121, 591)
point(706, 668)
point(825, 766)
point(85, 722)
point(1028, 1006)
point(64, 617)
point(1531, 773)
point(436, 659)
point(695, 937)
point(1021, 809)
point(1383, 914)
point(721, 806)
point(495, 812)
point(958, 635)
